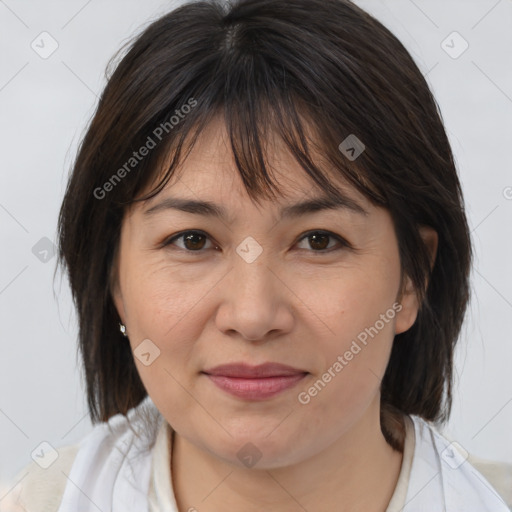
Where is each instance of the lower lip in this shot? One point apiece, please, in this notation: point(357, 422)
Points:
point(256, 389)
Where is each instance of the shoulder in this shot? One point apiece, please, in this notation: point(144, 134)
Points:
point(498, 474)
point(40, 489)
point(100, 452)
point(453, 475)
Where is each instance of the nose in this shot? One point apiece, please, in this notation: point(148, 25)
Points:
point(255, 303)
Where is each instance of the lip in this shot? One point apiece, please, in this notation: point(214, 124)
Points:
point(255, 382)
point(246, 371)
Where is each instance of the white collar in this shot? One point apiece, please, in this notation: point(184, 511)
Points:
point(112, 470)
point(443, 480)
point(112, 467)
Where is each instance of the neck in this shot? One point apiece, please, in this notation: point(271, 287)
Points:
point(358, 471)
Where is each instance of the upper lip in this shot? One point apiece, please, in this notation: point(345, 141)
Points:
point(243, 370)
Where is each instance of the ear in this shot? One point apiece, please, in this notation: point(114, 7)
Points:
point(408, 294)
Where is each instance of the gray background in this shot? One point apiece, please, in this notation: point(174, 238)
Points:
point(45, 104)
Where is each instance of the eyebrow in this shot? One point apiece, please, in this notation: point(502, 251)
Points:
point(208, 208)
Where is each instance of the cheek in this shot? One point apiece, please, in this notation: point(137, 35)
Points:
point(154, 305)
point(356, 317)
point(168, 309)
point(349, 377)
point(344, 305)
point(160, 298)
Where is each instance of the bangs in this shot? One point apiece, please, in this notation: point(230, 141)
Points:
point(254, 123)
point(262, 103)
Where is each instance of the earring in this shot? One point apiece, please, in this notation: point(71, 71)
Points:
point(122, 328)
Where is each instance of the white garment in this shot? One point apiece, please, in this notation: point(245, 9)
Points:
point(162, 499)
point(112, 472)
point(442, 478)
point(115, 471)
point(161, 494)
point(41, 490)
point(112, 467)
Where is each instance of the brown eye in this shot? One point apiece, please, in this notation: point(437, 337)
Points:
point(194, 241)
point(321, 241)
point(191, 241)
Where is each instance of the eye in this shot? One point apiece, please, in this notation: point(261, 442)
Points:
point(319, 241)
point(192, 241)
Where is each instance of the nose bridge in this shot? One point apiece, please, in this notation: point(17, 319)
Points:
point(252, 274)
point(253, 303)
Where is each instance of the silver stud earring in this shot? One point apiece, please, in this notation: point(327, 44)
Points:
point(122, 328)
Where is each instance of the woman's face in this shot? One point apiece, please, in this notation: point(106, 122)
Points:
point(256, 286)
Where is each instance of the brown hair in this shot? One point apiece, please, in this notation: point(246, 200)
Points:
point(272, 65)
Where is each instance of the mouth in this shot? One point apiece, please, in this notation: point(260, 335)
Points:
point(255, 382)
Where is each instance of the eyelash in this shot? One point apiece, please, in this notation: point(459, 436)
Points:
point(342, 243)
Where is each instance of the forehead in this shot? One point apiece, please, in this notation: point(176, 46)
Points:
point(210, 170)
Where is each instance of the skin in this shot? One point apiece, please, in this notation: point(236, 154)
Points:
point(291, 305)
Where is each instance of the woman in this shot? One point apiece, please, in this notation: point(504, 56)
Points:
point(266, 242)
